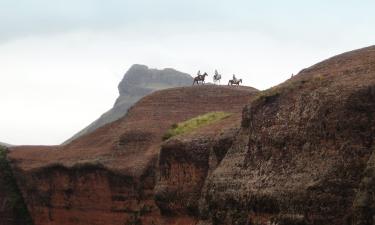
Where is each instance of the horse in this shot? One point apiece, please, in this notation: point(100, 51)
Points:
point(217, 77)
point(200, 78)
point(237, 82)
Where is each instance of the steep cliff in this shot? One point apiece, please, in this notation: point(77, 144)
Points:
point(138, 82)
point(109, 176)
point(186, 160)
point(303, 151)
point(13, 210)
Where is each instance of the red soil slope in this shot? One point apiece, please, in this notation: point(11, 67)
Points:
point(108, 176)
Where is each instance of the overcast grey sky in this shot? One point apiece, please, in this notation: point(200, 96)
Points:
point(61, 60)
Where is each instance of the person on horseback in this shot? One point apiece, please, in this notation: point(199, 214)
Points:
point(234, 78)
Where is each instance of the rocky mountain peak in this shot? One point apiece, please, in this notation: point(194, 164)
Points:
point(147, 79)
point(137, 82)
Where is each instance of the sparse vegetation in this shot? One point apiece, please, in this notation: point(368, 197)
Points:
point(288, 86)
point(268, 94)
point(194, 123)
point(15, 200)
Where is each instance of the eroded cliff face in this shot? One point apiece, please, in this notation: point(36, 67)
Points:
point(302, 151)
point(184, 164)
point(109, 176)
point(13, 210)
point(88, 194)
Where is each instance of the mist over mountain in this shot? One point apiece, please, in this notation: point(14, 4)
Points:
point(137, 82)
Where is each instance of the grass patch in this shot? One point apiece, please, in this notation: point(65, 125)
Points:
point(194, 123)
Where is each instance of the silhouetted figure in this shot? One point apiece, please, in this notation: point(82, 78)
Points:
point(200, 78)
point(234, 82)
point(234, 78)
point(217, 77)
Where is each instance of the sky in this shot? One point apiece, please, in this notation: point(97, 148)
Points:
point(61, 60)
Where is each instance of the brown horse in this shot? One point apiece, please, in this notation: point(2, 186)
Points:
point(236, 82)
point(200, 78)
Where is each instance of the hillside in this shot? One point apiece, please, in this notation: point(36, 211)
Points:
point(137, 82)
point(108, 176)
point(300, 153)
point(304, 153)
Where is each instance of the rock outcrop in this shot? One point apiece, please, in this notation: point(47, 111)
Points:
point(109, 175)
point(138, 82)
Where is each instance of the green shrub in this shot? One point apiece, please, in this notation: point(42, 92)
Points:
point(194, 123)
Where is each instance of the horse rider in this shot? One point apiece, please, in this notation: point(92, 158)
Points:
point(234, 78)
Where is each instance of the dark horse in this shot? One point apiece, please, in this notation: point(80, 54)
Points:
point(200, 78)
point(236, 82)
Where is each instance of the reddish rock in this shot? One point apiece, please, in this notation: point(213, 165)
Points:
point(302, 152)
point(184, 163)
point(13, 210)
point(108, 176)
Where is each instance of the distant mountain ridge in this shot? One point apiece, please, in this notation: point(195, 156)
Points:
point(137, 82)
